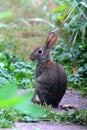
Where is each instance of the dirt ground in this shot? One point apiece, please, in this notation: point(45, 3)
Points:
point(71, 97)
point(46, 126)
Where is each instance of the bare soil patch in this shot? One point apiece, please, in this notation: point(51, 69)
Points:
point(48, 126)
point(73, 97)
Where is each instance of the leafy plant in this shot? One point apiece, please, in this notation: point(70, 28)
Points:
point(21, 72)
point(7, 117)
point(71, 17)
point(11, 102)
point(78, 117)
point(74, 64)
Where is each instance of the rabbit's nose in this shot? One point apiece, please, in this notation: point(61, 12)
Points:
point(32, 57)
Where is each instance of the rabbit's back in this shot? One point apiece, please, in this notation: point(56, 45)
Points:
point(51, 82)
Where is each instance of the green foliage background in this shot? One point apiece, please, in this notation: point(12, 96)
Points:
point(71, 16)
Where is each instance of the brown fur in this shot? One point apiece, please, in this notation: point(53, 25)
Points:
point(51, 80)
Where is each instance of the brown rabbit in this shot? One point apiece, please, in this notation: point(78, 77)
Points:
point(51, 80)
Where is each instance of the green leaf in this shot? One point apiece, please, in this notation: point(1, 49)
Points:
point(59, 18)
point(8, 95)
point(4, 73)
point(60, 9)
point(31, 109)
point(8, 90)
point(17, 100)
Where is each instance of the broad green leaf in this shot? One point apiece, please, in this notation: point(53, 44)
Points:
point(27, 97)
point(9, 96)
point(8, 90)
point(31, 109)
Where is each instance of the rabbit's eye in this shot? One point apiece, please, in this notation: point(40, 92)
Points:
point(40, 51)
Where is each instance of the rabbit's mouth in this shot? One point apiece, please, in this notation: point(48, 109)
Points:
point(32, 58)
point(37, 60)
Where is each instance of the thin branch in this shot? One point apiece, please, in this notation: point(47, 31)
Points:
point(42, 20)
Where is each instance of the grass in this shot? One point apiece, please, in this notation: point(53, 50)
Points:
point(19, 35)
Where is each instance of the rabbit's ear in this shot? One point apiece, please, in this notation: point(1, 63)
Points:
point(51, 39)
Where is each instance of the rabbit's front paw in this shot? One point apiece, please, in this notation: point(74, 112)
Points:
point(39, 79)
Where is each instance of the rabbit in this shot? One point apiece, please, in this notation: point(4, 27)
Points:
point(51, 79)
